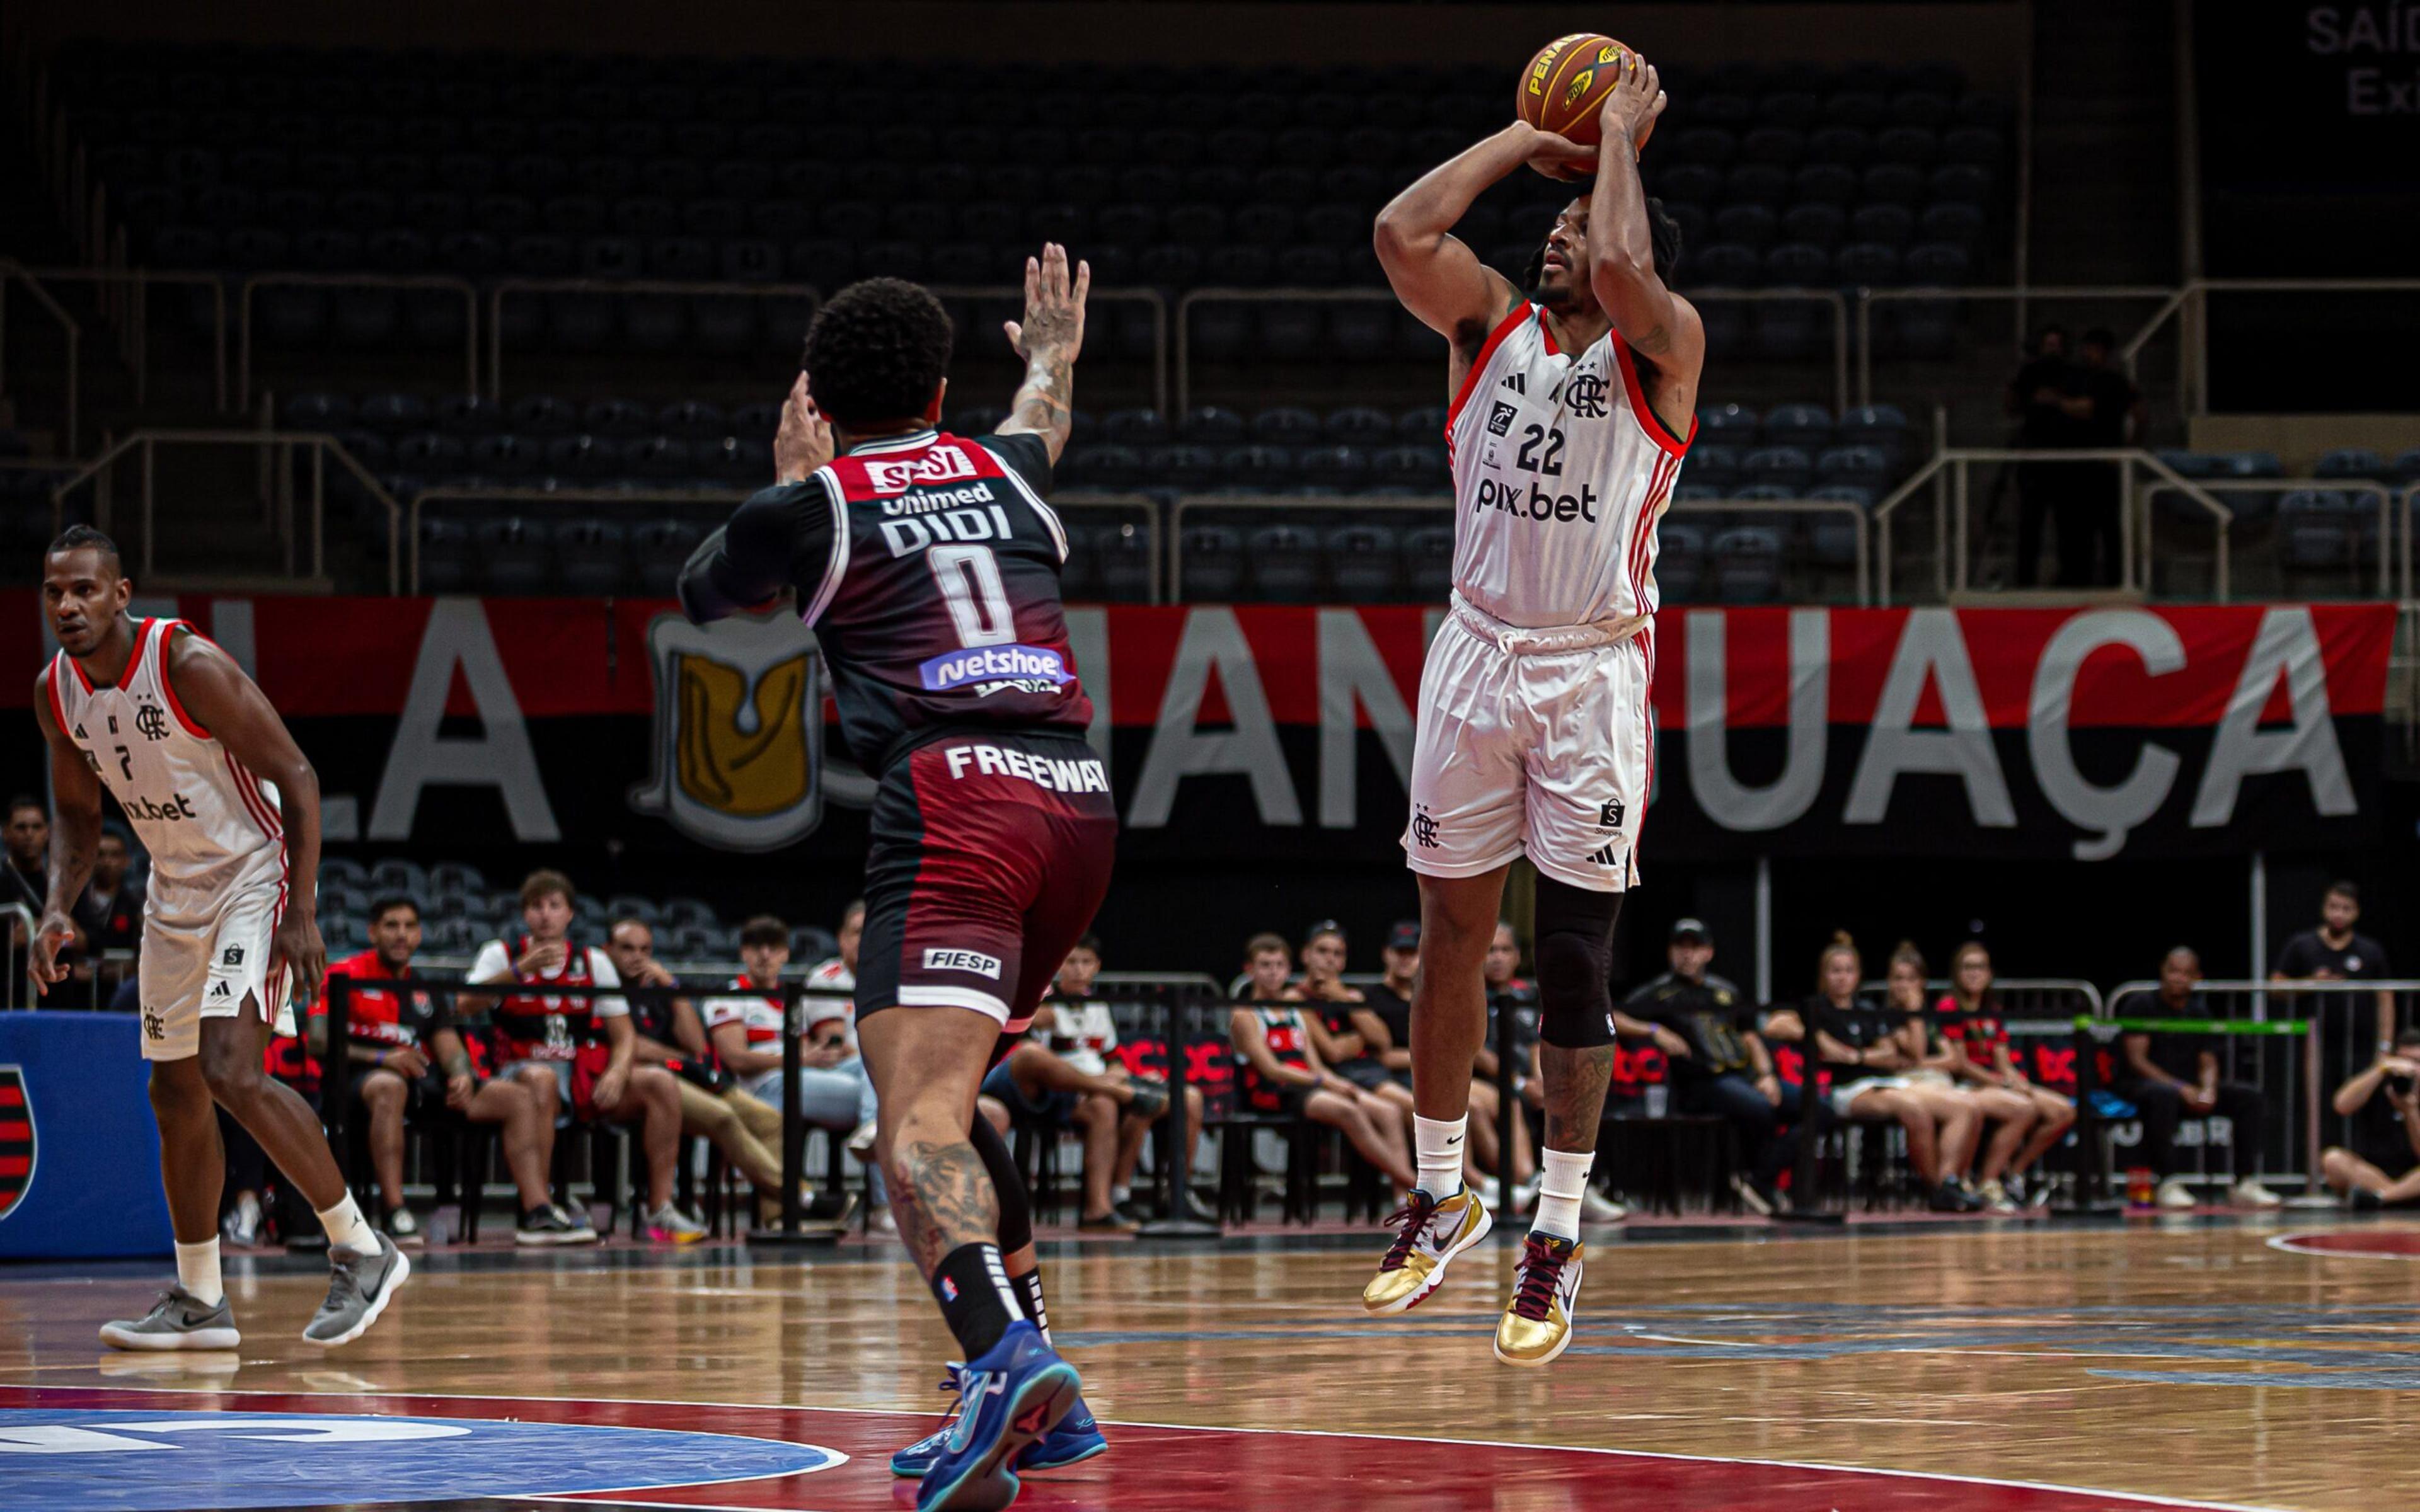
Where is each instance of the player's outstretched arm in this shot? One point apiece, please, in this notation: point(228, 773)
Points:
point(1657, 324)
point(1048, 341)
point(1437, 276)
point(223, 700)
point(75, 838)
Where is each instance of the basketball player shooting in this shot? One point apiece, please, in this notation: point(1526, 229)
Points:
point(1535, 735)
point(928, 565)
point(228, 806)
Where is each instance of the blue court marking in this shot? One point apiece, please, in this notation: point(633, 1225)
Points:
point(136, 1461)
point(2404, 1379)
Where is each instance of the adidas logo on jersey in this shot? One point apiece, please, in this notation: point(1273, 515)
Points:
point(1605, 856)
point(221, 991)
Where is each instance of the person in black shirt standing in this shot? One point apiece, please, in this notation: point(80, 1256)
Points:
point(1719, 1064)
point(2383, 1167)
point(2173, 1076)
point(929, 566)
point(2335, 952)
point(2044, 398)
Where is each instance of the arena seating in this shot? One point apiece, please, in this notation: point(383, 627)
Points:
point(766, 171)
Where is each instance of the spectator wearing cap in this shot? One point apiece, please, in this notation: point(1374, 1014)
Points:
point(1720, 1067)
point(1384, 1020)
point(2173, 1076)
point(2335, 952)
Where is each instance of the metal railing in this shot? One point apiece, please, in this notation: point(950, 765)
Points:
point(278, 450)
point(1831, 300)
point(394, 282)
point(2190, 306)
point(1437, 505)
point(2344, 1017)
point(2016, 295)
point(2388, 553)
point(1953, 510)
point(124, 295)
point(11, 272)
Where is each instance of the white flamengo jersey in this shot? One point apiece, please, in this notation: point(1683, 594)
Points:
point(1560, 470)
point(204, 819)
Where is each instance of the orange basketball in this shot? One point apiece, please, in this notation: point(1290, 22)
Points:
point(1565, 85)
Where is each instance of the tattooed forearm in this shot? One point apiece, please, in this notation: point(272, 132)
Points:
point(1045, 401)
point(75, 840)
point(942, 1197)
point(1576, 1082)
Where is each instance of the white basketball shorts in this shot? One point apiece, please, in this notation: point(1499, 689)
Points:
point(203, 957)
point(1534, 740)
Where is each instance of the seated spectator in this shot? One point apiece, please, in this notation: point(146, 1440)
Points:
point(2333, 951)
point(576, 1049)
point(1057, 1077)
point(1864, 1051)
point(110, 913)
point(746, 1033)
point(1971, 1022)
point(2383, 1168)
point(1324, 957)
point(1278, 1069)
point(1383, 1021)
point(839, 974)
point(1080, 1030)
point(714, 1106)
point(28, 836)
point(397, 1043)
point(2173, 1076)
point(2010, 1115)
point(1719, 1065)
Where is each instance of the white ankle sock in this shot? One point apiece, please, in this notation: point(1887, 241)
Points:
point(1562, 1181)
point(346, 1226)
point(197, 1272)
point(1439, 1144)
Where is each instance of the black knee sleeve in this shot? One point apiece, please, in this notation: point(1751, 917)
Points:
point(1015, 1208)
point(1574, 952)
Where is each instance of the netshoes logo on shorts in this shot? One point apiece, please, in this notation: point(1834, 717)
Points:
point(990, 664)
point(974, 961)
point(1537, 504)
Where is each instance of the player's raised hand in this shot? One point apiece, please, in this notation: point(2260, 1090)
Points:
point(1557, 156)
point(56, 932)
point(1054, 307)
point(298, 946)
point(1636, 100)
point(804, 440)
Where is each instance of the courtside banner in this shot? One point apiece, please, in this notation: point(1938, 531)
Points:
point(1268, 733)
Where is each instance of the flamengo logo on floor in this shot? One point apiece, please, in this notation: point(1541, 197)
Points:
point(151, 1461)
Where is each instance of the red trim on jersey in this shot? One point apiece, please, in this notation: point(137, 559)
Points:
point(1648, 420)
point(1659, 485)
point(168, 686)
point(1479, 364)
point(142, 639)
point(50, 686)
point(254, 803)
point(1547, 334)
point(82, 676)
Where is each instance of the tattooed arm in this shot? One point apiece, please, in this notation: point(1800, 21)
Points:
point(75, 836)
point(1049, 339)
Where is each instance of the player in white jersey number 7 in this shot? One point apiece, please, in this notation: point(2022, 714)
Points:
point(229, 809)
point(1572, 408)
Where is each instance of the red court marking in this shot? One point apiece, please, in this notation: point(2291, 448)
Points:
point(1169, 1469)
point(2368, 1244)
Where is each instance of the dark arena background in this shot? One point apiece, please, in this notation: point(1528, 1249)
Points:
point(2036, 589)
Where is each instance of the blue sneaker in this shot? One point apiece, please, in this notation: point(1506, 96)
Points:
point(1076, 1438)
point(1010, 1398)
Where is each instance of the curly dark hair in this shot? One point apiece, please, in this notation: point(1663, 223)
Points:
point(1663, 233)
point(877, 352)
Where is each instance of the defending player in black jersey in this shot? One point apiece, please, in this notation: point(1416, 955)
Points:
point(928, 565)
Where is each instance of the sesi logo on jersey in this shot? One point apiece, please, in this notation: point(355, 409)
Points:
point(935, 463)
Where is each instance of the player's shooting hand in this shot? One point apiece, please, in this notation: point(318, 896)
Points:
point(1054, 307)
point(804, 440)
point(56, 932)
point(297, 946)
point(1636, 100)
point(1557, 156)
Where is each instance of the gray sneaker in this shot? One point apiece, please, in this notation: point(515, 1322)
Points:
point(177, 1322)
point(358, 1291)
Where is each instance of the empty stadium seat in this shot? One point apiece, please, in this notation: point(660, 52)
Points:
point(1284, 563)
point(1364, 563)
point(1747, 565)
point(1212, 564)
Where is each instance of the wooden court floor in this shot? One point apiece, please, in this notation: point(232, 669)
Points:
point(2033, 1365)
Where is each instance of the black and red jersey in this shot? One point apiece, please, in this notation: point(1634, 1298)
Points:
point(928, 565)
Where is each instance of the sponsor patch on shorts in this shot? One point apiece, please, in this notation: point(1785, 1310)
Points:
point(936, 959)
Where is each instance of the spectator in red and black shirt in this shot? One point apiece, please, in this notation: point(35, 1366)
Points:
point(408, 1060)
point(1279, 1070)
point(1971, 1022)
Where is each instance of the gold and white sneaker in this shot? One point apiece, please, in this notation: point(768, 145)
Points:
point(1537, 1326)
point(1432, 1234)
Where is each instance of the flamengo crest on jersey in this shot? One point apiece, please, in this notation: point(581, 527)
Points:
point(197, 811)
point(1561, 471)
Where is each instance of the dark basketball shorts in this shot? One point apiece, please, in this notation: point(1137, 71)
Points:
point(991, 853)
